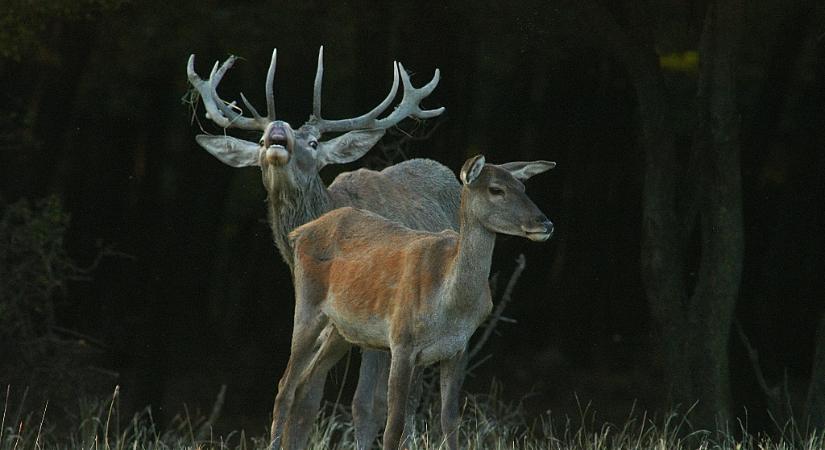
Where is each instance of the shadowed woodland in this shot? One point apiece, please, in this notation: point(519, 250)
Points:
point(687, 266)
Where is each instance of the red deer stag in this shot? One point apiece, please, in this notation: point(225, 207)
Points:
point(420, 193)
point(361, 279)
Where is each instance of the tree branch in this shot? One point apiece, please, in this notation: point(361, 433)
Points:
point(506, 298)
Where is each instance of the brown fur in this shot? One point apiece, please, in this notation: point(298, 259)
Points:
point(362, 279)
point(368, 253)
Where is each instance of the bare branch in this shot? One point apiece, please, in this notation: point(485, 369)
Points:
point(206, 426)
point(395, 146)
point(753, 356)
point(506, 298)
point(778, 397)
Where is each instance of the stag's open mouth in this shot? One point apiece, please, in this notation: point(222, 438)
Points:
point(277, 134)
point(277, 143)
point(278, 137)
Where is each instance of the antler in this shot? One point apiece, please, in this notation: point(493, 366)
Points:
point(223, 114)
point(409, 106)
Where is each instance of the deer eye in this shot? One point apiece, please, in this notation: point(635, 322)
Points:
point(313, 144)
point(495, 191)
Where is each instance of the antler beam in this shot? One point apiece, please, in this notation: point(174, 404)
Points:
point(223, 113)
point(227, 115)
point(409, 106)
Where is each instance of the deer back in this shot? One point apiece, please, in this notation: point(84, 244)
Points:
point(420, 193)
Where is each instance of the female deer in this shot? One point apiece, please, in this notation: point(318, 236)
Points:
point(364, 280)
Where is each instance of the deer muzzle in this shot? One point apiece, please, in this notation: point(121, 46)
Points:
point(540, 230)
point(278, 143)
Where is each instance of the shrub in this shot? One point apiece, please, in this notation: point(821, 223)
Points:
point(35, 271)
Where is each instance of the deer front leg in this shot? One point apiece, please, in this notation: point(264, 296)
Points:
point(369, 404)
point(306, 330)
point(413, 401)
point(310, 391)
point(401, 369)
point(452, 375)
point(299, 360)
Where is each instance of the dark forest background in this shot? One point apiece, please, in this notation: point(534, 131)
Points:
point(688, 199)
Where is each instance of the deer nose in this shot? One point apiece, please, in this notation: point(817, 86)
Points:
point(277, 135)
point(546, 223)
point(539, 228)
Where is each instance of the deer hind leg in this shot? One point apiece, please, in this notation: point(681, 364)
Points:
point(369, 404)
point(310, 391)
point(401, 371)
point(307, 328)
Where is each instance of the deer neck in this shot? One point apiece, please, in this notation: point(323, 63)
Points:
point(291, 206)
point(473, 260)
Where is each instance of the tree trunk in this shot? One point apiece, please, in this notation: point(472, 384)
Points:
point(662, 255)
point(692, 332)
point(721, 228)
point(815, 404)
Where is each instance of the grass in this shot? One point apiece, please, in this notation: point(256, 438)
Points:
point(488, 423)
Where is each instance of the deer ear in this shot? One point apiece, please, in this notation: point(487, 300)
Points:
point(231, 151)
point(524, 170)
point(347, 147)
point(472, 168)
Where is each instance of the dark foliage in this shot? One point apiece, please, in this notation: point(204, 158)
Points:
point(56, 363)
point(93, 113)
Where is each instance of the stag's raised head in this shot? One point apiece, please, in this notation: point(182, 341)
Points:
point(289, 157)
point(494, 195)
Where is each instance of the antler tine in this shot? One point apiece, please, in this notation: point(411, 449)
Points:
point(252, 109)
point(316, 89)
point(425, 91)
point(410, 104)
point(206, 94)
point(234, 117)
point(364, 121)
point(215, 78)
point(217, 110)
point(270, 82)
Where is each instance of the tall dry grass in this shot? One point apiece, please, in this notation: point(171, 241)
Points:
point(488, 423)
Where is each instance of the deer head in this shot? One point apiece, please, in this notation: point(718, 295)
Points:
point(291, 158)
point(494, 195)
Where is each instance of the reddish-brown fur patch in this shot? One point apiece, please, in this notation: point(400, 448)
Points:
point(371, 259)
